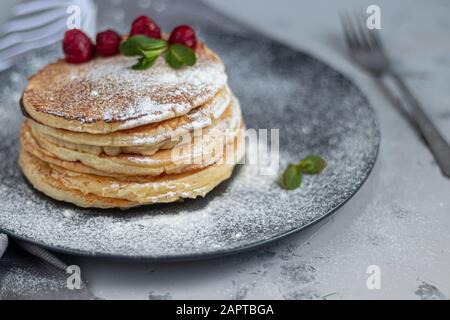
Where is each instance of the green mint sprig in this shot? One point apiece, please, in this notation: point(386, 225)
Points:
point(292, 175)
point(312, 164)
point(149, 50)
point(179, 56)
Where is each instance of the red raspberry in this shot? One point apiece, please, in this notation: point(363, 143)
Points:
point(107, 43)
point(77, 46)
point(146, 26)
point(184, 35)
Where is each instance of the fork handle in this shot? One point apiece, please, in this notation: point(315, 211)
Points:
point(436, 142)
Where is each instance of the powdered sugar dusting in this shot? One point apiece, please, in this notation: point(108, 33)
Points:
point(317, 111)
point(109, 90)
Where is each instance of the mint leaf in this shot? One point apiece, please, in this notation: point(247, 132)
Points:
point(312, 164)
point(180, 56)
point(172, 61)
point(136, 45)
point(145, 63)
point(149, 54)
point(292, 177)
point(150, 49)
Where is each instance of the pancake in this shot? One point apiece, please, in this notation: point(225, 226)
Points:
point(104, 95)
point(99, 134)
point(144, 140)
point(88, 190)
point(39, 174)
point(198, 150)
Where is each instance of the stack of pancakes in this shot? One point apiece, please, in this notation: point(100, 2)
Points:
point(100, 134)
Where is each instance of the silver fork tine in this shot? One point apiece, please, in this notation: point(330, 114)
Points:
point(349, 34)
point(344, 28)
point(36, 6)
point(32, 35)
point(362, 33)
point(371, 36)
point(23, 47)
point(39, 23)
point(33, 21)
point(375, 40)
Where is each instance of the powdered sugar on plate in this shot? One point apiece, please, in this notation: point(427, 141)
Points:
point(317, 111)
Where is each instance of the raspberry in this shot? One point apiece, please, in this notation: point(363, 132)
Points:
point(77, 46)
point(107, 43)
point(146, 26)
point(184, 35)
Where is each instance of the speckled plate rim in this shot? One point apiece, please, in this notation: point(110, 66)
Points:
point(238, 249)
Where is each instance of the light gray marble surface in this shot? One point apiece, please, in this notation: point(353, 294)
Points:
point(399, 220)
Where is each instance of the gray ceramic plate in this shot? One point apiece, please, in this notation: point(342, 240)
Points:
point(317, 110)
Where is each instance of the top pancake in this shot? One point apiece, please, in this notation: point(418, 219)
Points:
point(106, 95)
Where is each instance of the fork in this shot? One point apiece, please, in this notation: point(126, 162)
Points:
point(367, 50)
point(38, 23)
